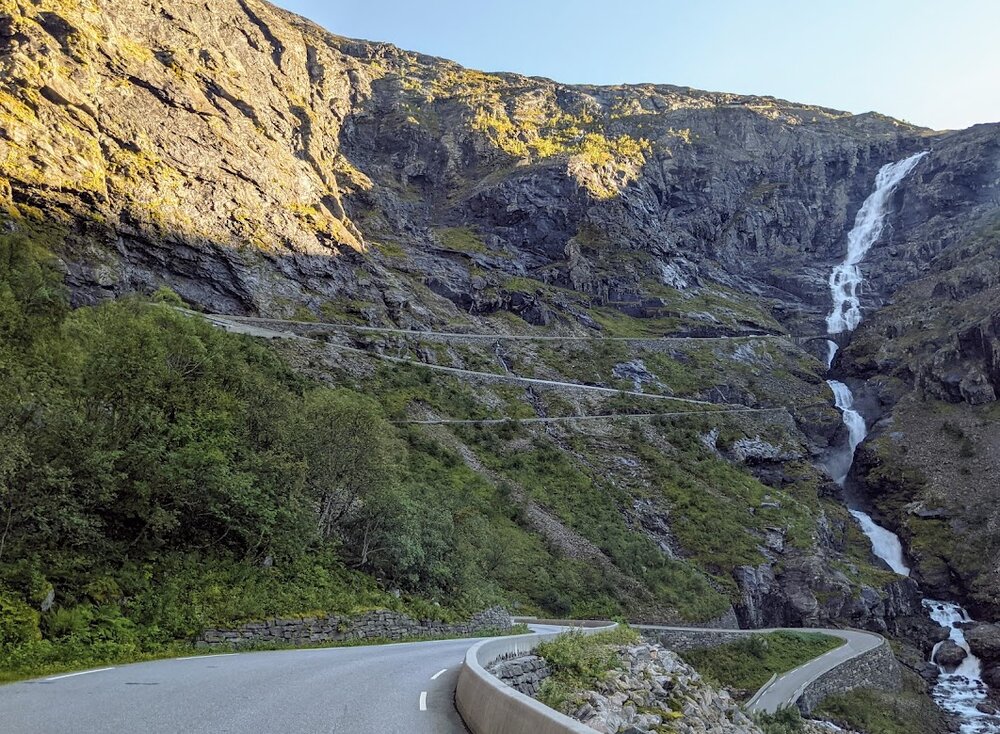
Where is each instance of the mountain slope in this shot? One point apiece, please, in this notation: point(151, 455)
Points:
point(257, 164)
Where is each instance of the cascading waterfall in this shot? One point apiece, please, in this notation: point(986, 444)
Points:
point(845, 280)
point(958, 691)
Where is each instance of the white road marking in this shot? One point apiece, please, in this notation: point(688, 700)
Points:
point(439, 673)
point(82, 672)
point(202, 657)
point(423, 700)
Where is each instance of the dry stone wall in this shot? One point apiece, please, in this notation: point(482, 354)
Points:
point(375, 625)
point(525, 673)
point(876, 668)
point(675, 639)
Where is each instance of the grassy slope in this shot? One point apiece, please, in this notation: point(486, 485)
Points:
point(910, 711)
point(746, 665)
point(452, 540)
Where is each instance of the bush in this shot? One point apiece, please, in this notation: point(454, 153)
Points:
point(18, 622)
point(785, 720)
point(579, 660)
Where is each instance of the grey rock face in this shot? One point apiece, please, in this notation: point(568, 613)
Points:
point(984, 641)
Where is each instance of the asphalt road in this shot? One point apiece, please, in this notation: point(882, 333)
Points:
point(788, 686)
point(390, 689)
point(406, 688)
point(386, 688)
point(238, 326)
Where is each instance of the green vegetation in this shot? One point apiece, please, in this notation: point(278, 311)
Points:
point(578, 661)
point(786, 720)
point(746, 665)
point(720, 510)
point(461, 239)
point(590, 508)
point(158, 476)
point(910, 711)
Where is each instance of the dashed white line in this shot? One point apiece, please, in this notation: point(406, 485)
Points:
point(203, 657)
point(423, 700)
point(82, 672)
point(439, 673)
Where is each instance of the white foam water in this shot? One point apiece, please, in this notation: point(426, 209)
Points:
point(961, 690)
point(958, 691)
point(845, 280)
point(885, 543)
point(831, 352)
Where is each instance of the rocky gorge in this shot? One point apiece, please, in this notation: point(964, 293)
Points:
point(678, 241)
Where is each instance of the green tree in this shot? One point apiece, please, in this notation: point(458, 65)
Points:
point(352, 469)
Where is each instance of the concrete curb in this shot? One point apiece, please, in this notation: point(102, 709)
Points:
point(488, 706)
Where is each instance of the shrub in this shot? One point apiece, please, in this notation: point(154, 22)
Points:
point(18, 622)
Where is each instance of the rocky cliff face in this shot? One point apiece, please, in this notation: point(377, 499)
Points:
point(257, 164)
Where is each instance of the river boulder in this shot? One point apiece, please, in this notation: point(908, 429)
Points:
point(950, 655)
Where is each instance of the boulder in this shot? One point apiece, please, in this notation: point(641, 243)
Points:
point(991, 676)
point(984, 641)
point(950, 655)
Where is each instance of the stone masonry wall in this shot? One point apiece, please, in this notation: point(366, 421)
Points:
point(876, 668)
point(688, 639)
point(380, 624)
point(524, 673)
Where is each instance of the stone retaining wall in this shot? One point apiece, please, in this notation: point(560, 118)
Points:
point(524, 674)
point(876, 668)
point(681, 640)
point(376, 625)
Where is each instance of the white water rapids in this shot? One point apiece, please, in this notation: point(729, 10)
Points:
point(958, 691)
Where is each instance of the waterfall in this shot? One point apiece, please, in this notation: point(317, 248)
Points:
point(958, 691)
point(846, 277)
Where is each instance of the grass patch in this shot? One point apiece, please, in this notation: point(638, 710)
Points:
point(910, 711)
point(461, 239)
point(746, 665)
point(578, 661)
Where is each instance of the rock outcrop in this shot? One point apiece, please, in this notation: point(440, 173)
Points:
point(653, 688)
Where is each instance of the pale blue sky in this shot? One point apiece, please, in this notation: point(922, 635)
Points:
point(929, 62)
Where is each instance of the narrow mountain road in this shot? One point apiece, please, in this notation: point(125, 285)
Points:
point(496, 337)
point(787, 687)
point(238, 325)
point(406, 687)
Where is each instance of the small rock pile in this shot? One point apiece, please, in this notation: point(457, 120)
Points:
point(654, 688)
